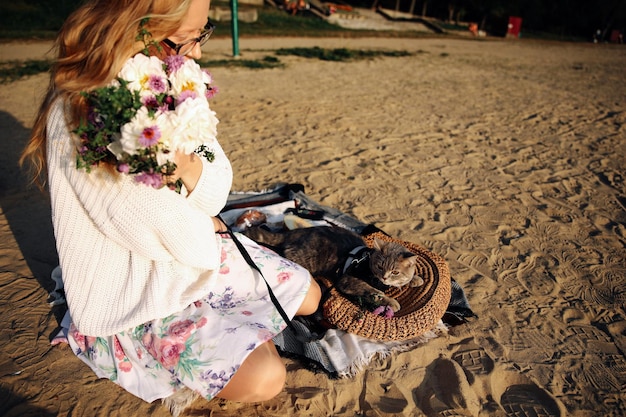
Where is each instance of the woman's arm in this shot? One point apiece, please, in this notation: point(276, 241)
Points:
point(156, 224)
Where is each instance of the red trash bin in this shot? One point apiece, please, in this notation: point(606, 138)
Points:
point(515, 27)
point(616, 36)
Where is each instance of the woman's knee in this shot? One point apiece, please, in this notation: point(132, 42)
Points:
point(261, 377)
point(269, 377)
point(274, 381)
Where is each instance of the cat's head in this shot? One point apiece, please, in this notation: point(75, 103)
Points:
point(394, 265)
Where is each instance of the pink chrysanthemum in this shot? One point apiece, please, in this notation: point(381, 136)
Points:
point(150, 136)
point(150, 102)
point(157, 84)
point(174, 62)
point(124, 168)
point(185, 95)
point(211, 92)
point(153, 179)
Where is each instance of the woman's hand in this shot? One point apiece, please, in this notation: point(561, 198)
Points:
point(188, 169)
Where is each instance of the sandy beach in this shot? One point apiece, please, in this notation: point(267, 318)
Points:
point(505, 157)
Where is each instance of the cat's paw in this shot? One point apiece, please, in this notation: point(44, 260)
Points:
point(390, 302)
point(417, 281)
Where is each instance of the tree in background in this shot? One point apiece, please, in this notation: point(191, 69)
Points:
point(561, 18)
point(35, 15)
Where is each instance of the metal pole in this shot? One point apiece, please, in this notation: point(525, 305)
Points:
point(234, 26)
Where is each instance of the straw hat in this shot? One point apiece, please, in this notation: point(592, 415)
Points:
point(421, 307)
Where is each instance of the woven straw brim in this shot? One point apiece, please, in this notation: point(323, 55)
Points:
point(421, 307)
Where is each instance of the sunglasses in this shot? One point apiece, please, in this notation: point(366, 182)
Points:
point(186, 47)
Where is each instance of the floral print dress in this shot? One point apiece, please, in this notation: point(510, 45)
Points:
point(202, 346)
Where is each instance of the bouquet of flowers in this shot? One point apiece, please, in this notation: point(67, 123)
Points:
point(151, 110)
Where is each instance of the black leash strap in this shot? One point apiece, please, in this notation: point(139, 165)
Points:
point(281, 311)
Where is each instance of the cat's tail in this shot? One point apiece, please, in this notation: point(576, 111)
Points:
point(261, 235)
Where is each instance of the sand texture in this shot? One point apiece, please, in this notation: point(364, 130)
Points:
point(507, 158)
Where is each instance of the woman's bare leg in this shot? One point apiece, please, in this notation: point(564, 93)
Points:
point(262, 374)
point(311, 300)
point(260, 377)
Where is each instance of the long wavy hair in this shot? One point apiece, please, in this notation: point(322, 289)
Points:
point(93, 45)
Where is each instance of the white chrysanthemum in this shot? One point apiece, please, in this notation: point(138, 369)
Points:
point(145, 75)
point(143, 131)
point(206, 77)
point(194, 124)
point(189, 77)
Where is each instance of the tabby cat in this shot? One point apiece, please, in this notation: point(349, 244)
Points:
point(340, 255)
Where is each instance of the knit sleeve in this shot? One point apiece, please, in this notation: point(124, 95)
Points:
point(211, 192)
point(156, 224)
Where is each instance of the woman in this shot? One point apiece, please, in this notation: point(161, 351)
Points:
point(159, 299)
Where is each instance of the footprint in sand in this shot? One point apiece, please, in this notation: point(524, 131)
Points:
point(574, 316)
point(611, 178)
point(618, 331)
point(446, 391)
point(534, 274)
point(390, 399)
point(520, 397)
point(474, 360)
point(528, 400)
point(478, 366)
point(501, 390)
point(604, 368)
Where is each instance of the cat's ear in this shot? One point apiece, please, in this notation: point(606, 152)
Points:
point(378, 244)
point(410, 256)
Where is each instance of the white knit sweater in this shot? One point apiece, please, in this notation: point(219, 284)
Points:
point(129, 253)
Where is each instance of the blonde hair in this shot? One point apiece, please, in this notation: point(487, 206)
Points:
point(93, 45)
